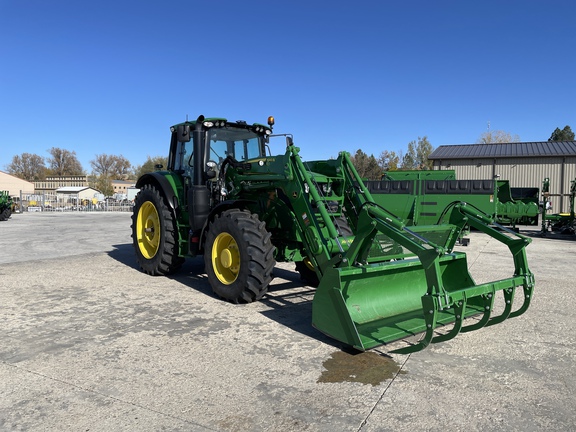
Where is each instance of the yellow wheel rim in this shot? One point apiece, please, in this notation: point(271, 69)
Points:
point(308, 264)
point(148, 230)
point(225, 258)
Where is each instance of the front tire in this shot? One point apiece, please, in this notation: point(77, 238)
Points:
point(239, 256)
point(5, 214)
point(307, 272)
point(154, 233)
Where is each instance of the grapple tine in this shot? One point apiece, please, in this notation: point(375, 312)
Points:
point(429, 304)
point(508, 301)
point(459, 313)
point(528, 288)
point(488, 306)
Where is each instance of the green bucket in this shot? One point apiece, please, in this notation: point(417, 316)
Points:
point(369, 306)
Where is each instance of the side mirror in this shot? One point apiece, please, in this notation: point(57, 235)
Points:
point(211, 170)
point(289, 141)
point(183, 133)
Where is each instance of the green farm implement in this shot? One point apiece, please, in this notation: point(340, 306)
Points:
point(420, 197)
point(562, 222)
point(377, 280)
point(6, 205)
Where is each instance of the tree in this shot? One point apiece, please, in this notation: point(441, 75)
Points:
point(388, 161)
point(409, 161)
point(367, 166)
point(423, 150)
point(416, 157)
point(103, 184)
point(28, 166)
point(64, 162)
point(565, 134)
point(149, 165)
point(497, 137)
point(114, 167)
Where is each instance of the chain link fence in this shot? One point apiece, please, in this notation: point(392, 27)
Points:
point(67, 202)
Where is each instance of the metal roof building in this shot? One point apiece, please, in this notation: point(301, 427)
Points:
point(524, 164)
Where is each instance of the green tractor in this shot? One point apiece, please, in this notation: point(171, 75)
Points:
point(377, 280)
point(6, 205)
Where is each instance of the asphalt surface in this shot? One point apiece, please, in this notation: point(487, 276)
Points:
point(90, 343)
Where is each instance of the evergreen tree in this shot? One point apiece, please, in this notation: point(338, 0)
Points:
point(409, 161)
point(565, 134)
point(423, 150)
point(367, 166)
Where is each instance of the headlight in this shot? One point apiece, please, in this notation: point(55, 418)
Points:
point(208, 124)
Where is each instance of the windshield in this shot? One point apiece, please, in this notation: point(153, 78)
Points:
point(240, 143)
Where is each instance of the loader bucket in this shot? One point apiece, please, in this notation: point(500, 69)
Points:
point(433, 293)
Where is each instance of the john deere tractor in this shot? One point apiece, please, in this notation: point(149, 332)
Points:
point(377, 280)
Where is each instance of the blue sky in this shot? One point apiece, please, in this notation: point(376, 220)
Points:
point(113, 76)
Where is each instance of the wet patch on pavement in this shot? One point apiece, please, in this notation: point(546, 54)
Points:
point(363, 367)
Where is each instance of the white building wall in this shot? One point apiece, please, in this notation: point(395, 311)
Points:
point(472, 169)
point(14, 184)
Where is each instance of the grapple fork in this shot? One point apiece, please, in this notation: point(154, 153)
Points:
point(371, 296)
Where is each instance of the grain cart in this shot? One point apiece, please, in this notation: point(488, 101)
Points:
point(420, 197)
point(6, 205)
point(223, 197)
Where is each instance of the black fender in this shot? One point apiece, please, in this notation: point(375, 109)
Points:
point(162, 183)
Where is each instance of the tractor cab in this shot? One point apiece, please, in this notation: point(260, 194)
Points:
point(200, 150)
point(214, 140)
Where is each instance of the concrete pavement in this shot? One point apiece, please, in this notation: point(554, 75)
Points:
point(90, 343)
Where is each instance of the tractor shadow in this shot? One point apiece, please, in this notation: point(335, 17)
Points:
point(191, 274)
point(288, 301)
point(290, 304)
point(124, 254)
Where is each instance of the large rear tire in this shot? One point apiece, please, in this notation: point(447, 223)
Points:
point(155, 233)
point(239, 256)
